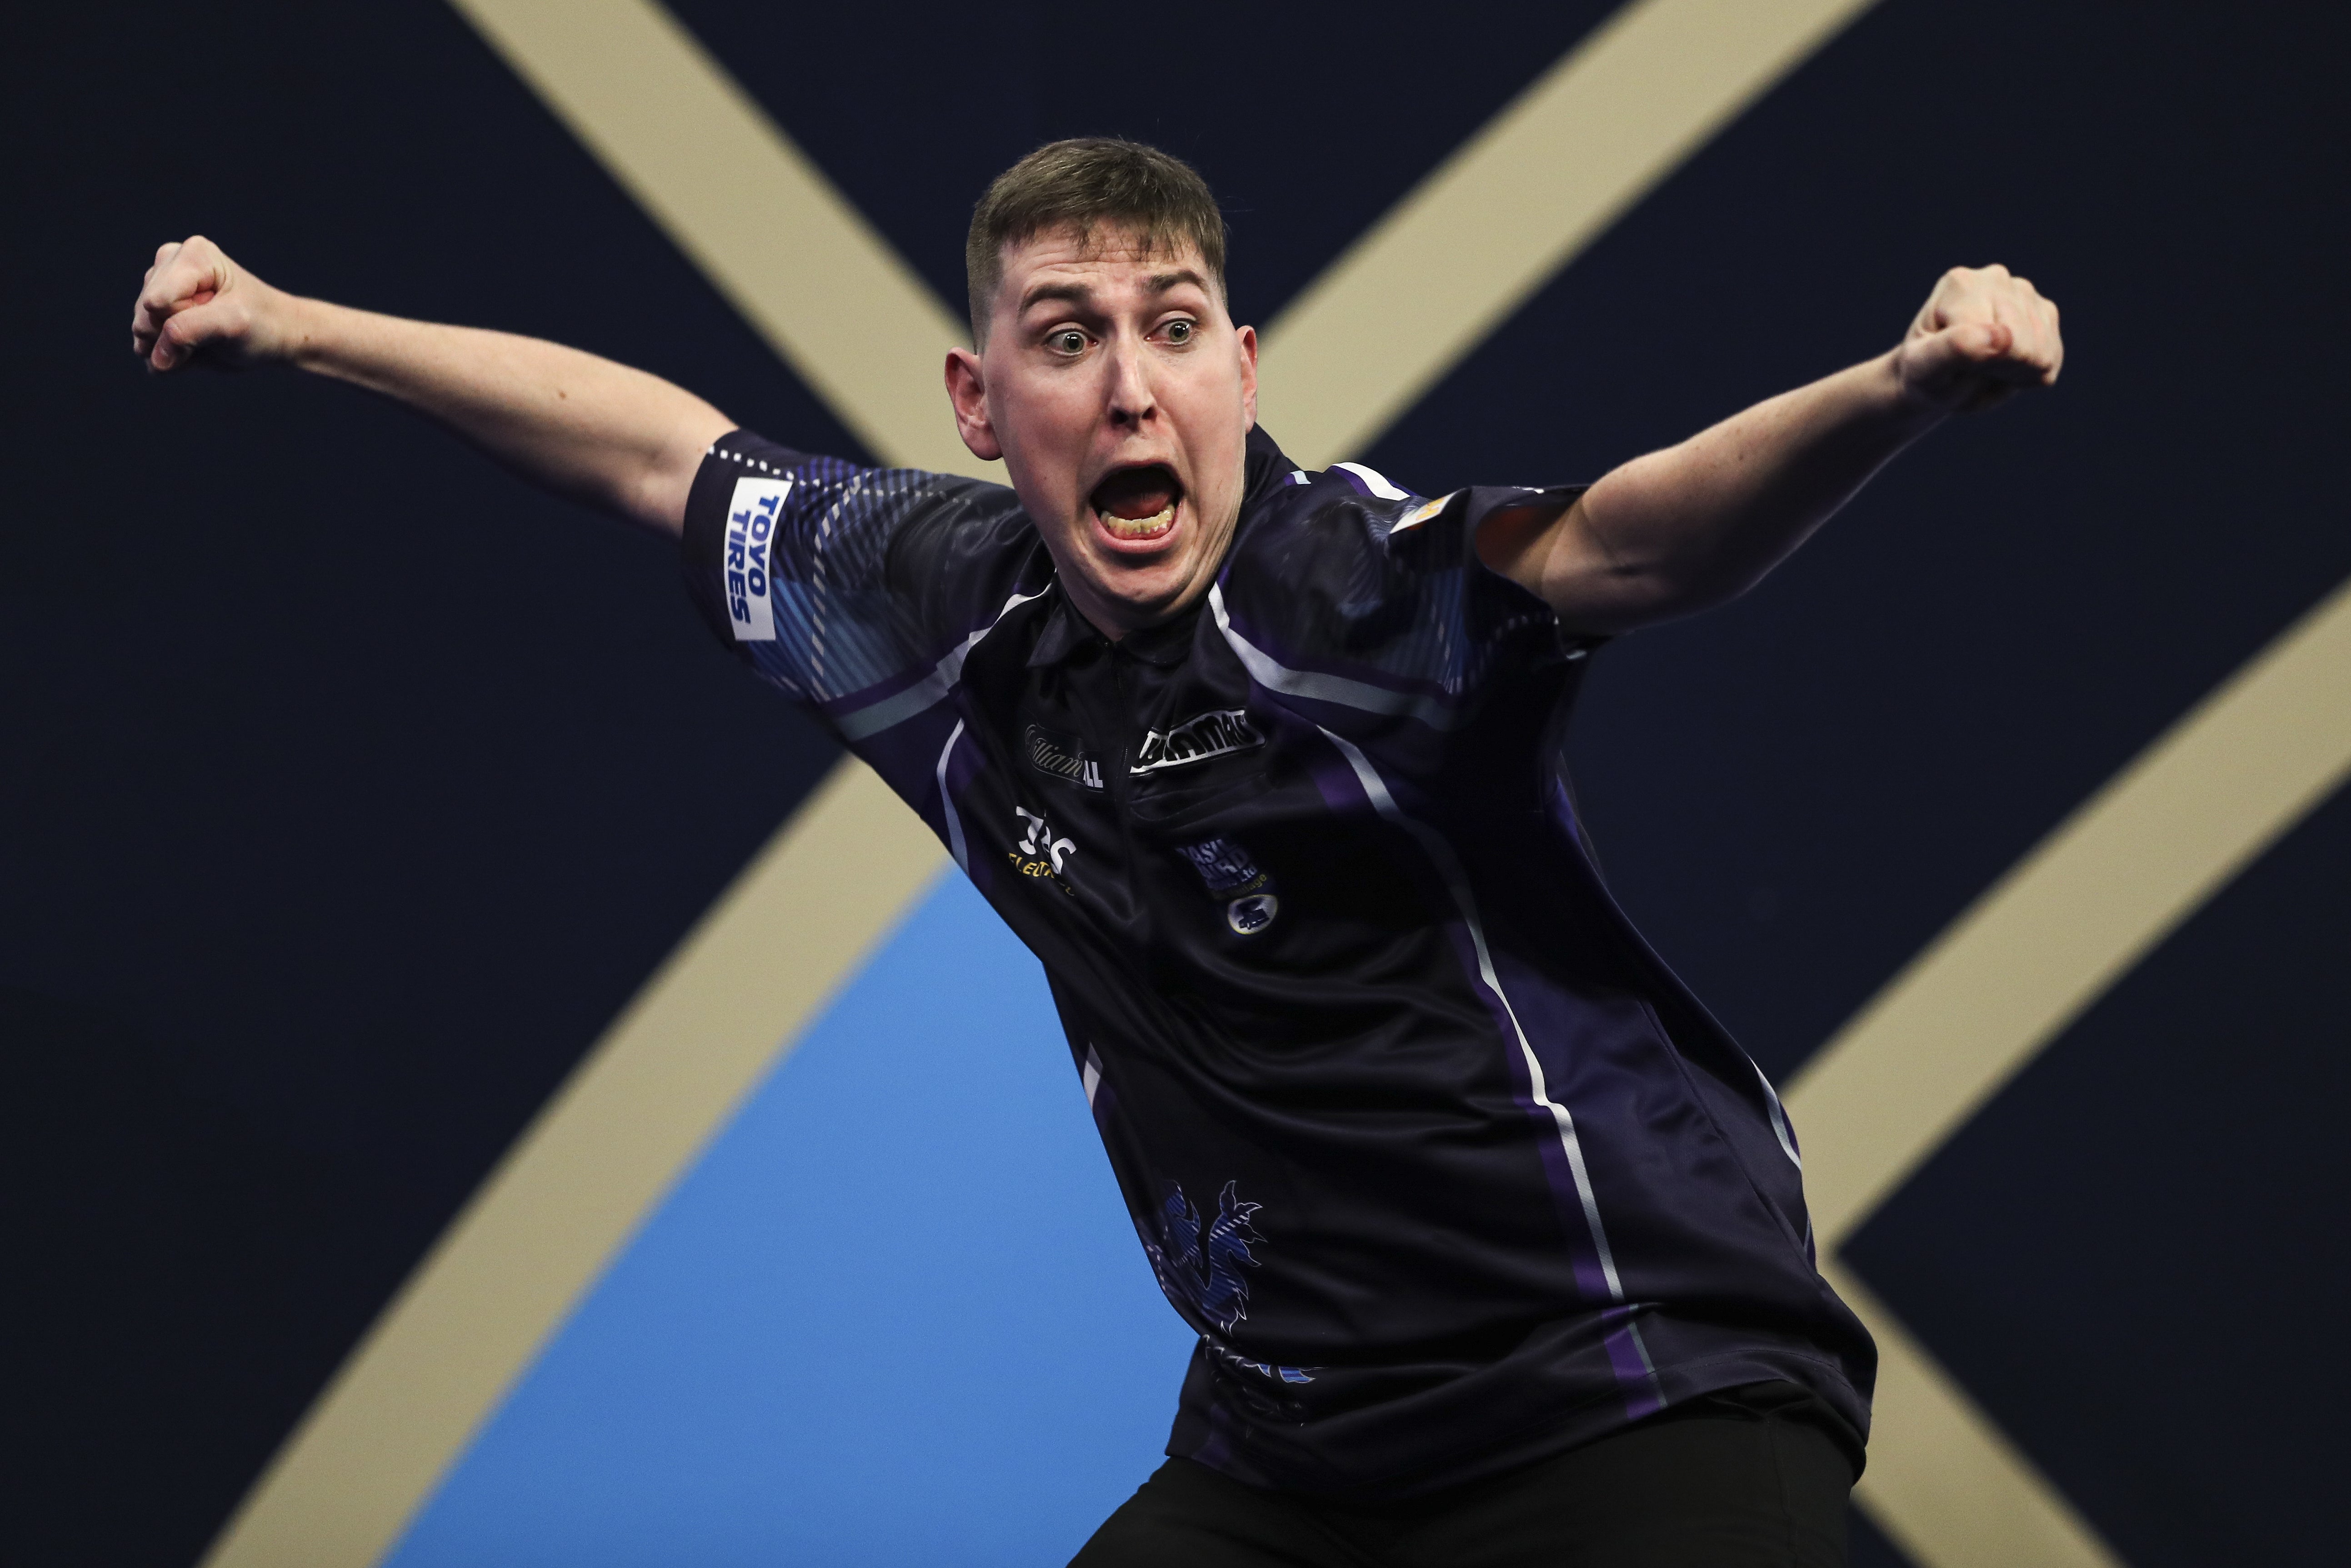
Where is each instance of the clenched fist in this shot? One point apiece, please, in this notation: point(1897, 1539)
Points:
point(195, 299)
point(1984, 335)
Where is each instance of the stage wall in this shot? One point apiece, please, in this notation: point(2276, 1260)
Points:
point(352, 791)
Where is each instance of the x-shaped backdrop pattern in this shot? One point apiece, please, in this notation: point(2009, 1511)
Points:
point(1588, 138)
point(1575, 148)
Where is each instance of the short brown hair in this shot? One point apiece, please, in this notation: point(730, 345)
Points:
point(1083, 183)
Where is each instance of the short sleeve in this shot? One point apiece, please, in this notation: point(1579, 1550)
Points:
point(840, 583)
point(1461, 623)
point(1355, 594)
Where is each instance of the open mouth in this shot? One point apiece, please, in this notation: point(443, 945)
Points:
point(1137, 503)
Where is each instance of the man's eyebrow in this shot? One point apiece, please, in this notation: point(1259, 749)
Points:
point(1082, 294)
point(1075, 293)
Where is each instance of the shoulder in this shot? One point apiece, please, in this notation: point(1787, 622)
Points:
point(912, 523)
point(1350, 559)
point(845, 497)
point(1347, 573)
point(865, 566)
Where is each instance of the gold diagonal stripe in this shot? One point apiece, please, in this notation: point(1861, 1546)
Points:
point(1434, 278)
point(763, 223)
point(2037, 949)
point(2073, 916)
point(775, 237)
point(1944, 1482)
point(826, 891)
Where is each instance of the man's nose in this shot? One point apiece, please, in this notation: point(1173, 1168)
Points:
point(1132, 400)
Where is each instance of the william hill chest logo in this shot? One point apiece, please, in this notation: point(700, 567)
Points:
point(1216, 734)
point(1058, 757)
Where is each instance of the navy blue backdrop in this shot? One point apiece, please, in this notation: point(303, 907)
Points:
point(349, 787)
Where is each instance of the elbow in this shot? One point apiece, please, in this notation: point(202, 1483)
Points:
point(1709, 586)
point(657, 499)
point(1636, 598)
point(657, 491)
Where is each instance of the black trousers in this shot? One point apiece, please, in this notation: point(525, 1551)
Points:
point(1755, 1477)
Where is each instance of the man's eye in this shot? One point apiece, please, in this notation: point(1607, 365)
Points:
point(1179, 331)
point(1070, 341)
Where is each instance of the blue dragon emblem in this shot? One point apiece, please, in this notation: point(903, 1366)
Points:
point(1201, 1273)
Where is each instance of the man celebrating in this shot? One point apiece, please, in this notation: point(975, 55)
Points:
point(1494, 1242)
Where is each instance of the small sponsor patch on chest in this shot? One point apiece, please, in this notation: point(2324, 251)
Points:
point(1041, 852)
point(1216, 734)
point(1060, 756)
point(1229, 873)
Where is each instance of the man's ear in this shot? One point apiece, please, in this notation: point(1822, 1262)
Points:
point(1247, 336)
point(968, 389)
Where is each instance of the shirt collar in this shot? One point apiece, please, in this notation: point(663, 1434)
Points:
point(1264, 468)
point(1066, 633)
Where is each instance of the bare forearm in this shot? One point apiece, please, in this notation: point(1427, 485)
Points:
point(1699, 522)
point(585, 427)
point(614, 437)
point(1685, 529)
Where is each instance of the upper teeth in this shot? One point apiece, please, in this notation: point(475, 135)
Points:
point(1136, 527)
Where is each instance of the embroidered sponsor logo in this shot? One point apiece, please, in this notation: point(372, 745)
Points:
point(1217, 734)
point(1224, 866)
point(1228, 873)
point(1041, 853)
point(1061, 757)
point(751, 519)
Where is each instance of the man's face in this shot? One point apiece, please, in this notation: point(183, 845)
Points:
point(1119, 395)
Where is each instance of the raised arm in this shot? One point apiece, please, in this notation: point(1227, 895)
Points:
point(1686, 528)
point(618, 439)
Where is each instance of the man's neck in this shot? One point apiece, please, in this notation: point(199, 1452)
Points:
point(1116, 620)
